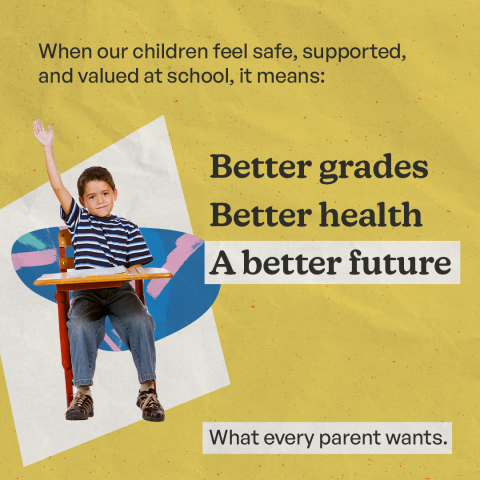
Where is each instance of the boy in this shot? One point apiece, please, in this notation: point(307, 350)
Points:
point(103, 240)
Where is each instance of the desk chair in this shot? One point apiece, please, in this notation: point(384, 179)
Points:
point(62, 297)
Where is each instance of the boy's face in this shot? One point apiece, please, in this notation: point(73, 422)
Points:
point(98, 198)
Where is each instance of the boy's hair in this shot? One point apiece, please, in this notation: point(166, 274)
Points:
point(91, 174)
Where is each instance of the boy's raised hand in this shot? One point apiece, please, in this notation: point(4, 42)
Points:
point(44, 137)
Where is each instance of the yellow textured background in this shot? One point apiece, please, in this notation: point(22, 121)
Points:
point(294, 353)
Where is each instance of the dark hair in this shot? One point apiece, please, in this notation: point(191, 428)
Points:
point(94, 173)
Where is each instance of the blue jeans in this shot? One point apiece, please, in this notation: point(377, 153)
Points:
point(130, 319)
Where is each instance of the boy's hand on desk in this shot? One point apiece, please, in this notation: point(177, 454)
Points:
point(44, 137)
point(132, 270)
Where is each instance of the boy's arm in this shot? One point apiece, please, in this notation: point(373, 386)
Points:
point(46, 140)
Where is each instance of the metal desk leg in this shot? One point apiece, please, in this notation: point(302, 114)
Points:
point(139, 290)
point(62, 303)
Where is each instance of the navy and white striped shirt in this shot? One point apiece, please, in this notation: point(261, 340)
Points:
point(104, 241)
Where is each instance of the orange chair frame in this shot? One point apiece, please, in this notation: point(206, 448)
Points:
point(62, 297)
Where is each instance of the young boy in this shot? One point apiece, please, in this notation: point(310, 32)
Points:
point(103, 240)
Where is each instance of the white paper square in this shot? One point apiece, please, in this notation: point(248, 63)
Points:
point(190, 362)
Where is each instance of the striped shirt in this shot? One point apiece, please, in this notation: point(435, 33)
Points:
point(104, 241)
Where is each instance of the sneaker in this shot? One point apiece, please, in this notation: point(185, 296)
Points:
point(151, 407)
point(81, 407)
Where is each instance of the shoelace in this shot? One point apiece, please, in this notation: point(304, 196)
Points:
point(149, 399)
point(78, 399)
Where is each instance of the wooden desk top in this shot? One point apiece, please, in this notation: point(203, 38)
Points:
point(63, 278)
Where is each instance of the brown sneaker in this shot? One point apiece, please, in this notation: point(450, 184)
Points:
point(152, 408)
point(81, 407)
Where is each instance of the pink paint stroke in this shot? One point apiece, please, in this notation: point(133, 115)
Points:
point(34, 259)
point(185, 246)
point(111, 343)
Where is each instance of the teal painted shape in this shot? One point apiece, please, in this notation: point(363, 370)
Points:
point(32, 241)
